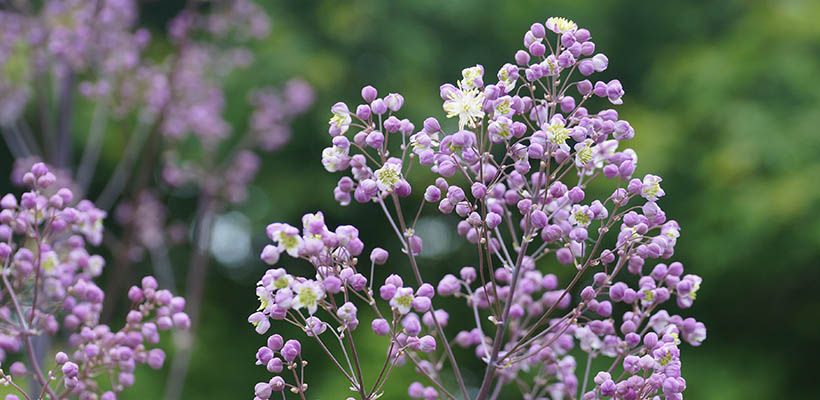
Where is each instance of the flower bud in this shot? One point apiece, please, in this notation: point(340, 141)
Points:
point(380, 326)
point(379, 256)
point(537, 49)
point(369, 93)
point(564, 256)
point(522, 57)
point(378, 106)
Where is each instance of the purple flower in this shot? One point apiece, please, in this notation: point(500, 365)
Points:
point(70, 370)
point(260, 321)
point(427, 344)
point(378, 256)
point(291, 350)
point(369, 93)
point(380, 326)
point(156, 358)
point(448, 285)
point(313, 327)
point(262, 390)
point(521, 193)
point(340, 122)
point(402, 300)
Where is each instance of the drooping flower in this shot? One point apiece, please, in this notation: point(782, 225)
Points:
point(260, 322)
point(340, 122)
point(508, 75)
point(314, 326)
point(335, 158)
point(651, 188)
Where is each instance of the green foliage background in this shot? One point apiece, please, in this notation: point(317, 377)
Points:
point(725, 99)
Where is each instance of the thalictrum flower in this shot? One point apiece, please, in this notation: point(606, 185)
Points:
point(307, 294)
point(340, 122)
point(466, 105)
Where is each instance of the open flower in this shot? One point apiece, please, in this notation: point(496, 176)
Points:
point(561, 25)
point(402, 301)
point(466, 105)
point(308, 294)
point(472, 78)
point(508, 75)
point(651, 187)
point(388, 176)
point(500, 129)
point(557, 132)
point(286, 237)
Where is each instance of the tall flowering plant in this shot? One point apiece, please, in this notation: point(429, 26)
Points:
point(517, 173)
point(60, 58)
point(48, 287)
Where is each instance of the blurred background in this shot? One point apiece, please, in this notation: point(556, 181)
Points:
point(725, 100)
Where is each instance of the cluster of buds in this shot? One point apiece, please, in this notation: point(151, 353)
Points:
point(517, 171)
point(48, 284)
point(175, 103)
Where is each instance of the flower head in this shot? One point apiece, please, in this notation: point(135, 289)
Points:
point(651, 187)
point(307, 294)
point(557, 132)
point(286, 237)
point(402, 301)
point(561, 25)
point(466, 105)
point(518, 177)
point(388, 177)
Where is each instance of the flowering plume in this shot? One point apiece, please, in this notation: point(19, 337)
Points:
point(48, 287)
point(516, 172)
point(95, 55)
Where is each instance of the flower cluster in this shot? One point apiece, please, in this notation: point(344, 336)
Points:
point(48, 283)
point(337, 283)
point(196, 101)
point(68, 37)
point(182, 94)
point(285, 297)
point(15, 41)
point(68, 63)
point(516, 171)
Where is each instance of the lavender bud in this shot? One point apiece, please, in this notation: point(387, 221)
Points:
point(363, 112)
point(379, 256)
point(380, 326)
point(522, 58)
point(369, 93)
point(378, 106)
